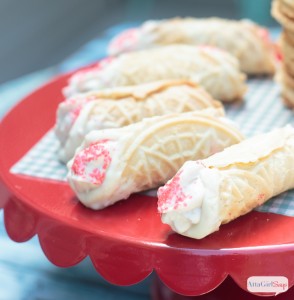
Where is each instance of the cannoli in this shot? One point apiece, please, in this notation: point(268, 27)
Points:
point(101, 109)
point(215, 70)
point(111, 164)
point(207, 193)
point(245, 40)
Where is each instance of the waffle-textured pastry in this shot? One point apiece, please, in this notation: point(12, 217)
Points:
point(287, 47)
point(247, 41)
point(288, 96)
point(289, 36)
point(283, 11)
point(215, 70)
point(286, 81)
point(111, 164)
point(287, 86)
point(119, 107)
point(207, 193)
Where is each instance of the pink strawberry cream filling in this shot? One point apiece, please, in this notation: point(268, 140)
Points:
point(188, 198)
point(94, 172)
point(76, 106)
point(97, 67)
point(172, 195)
point(67, 114)
point(85, 80)
point(92, 163)
point(124, 42)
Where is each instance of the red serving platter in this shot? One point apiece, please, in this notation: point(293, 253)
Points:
point(127, 241)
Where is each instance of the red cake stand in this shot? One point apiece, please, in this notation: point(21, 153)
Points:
point(127, 241)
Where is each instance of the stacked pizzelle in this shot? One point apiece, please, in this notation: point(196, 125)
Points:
point(283, 12)
point(133, 121)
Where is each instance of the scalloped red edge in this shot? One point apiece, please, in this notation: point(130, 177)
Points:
point(126, 263)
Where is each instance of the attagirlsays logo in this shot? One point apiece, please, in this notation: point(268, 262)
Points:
point(267, 284)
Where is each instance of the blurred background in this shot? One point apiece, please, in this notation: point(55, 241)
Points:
point(36, 34)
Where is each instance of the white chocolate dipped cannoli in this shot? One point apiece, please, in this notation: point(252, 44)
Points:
point(215, 70)
point(207, 193)
point(247, 41)
point(119, 107)
point(111, 164)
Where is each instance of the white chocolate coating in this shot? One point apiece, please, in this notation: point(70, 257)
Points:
point(228, 184)
point(247, 41)
point(111, 164)
point(215, 70)
point(117, 107)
